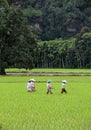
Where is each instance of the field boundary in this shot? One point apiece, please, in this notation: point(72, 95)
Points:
point(47, 74)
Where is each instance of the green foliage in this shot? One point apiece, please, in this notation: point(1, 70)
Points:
point(49, 20)
point(16, 39)
point(31, 12)
point(55, 53)
point(3, 3)
point(72, 53)
point(55, 18)
point(83, 49)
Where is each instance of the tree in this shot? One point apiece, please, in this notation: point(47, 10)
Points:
point(53, 19)
point(56, 54)
point(83, 49)
point(17, 41)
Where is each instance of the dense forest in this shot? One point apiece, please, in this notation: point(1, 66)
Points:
point(51, 19)
point(45, 33)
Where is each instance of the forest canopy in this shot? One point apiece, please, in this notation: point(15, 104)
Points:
point(45, 33)
point(51, 19)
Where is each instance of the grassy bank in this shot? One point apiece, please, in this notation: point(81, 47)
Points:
point(46, 71)
point(50, 70)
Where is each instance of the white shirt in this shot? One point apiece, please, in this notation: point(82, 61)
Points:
point(29, 86)
point(63, 85)
point(49, 85)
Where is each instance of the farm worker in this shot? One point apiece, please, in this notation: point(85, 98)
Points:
point(63, 86)
point(31, 85)
point(49, 87)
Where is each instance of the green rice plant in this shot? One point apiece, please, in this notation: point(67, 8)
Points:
point(61, 70)
point(21, 110)
point(0, 125)
point(52, 70)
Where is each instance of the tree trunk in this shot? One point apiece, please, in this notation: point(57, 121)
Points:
point(2, 71)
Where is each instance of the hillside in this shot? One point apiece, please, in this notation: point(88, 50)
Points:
point(51, 19)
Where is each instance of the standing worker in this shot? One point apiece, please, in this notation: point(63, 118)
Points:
point(31, 85)
point(49, 87)
point(63, 90)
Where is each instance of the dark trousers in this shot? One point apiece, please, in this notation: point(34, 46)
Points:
point(49, 91)
point(63, 90)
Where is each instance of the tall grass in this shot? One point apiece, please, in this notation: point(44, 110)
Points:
point(20, 110)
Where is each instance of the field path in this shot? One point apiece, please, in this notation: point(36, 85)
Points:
point(48, 74)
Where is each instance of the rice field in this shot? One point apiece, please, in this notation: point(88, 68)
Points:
point(21, 110)
point(52, 70)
